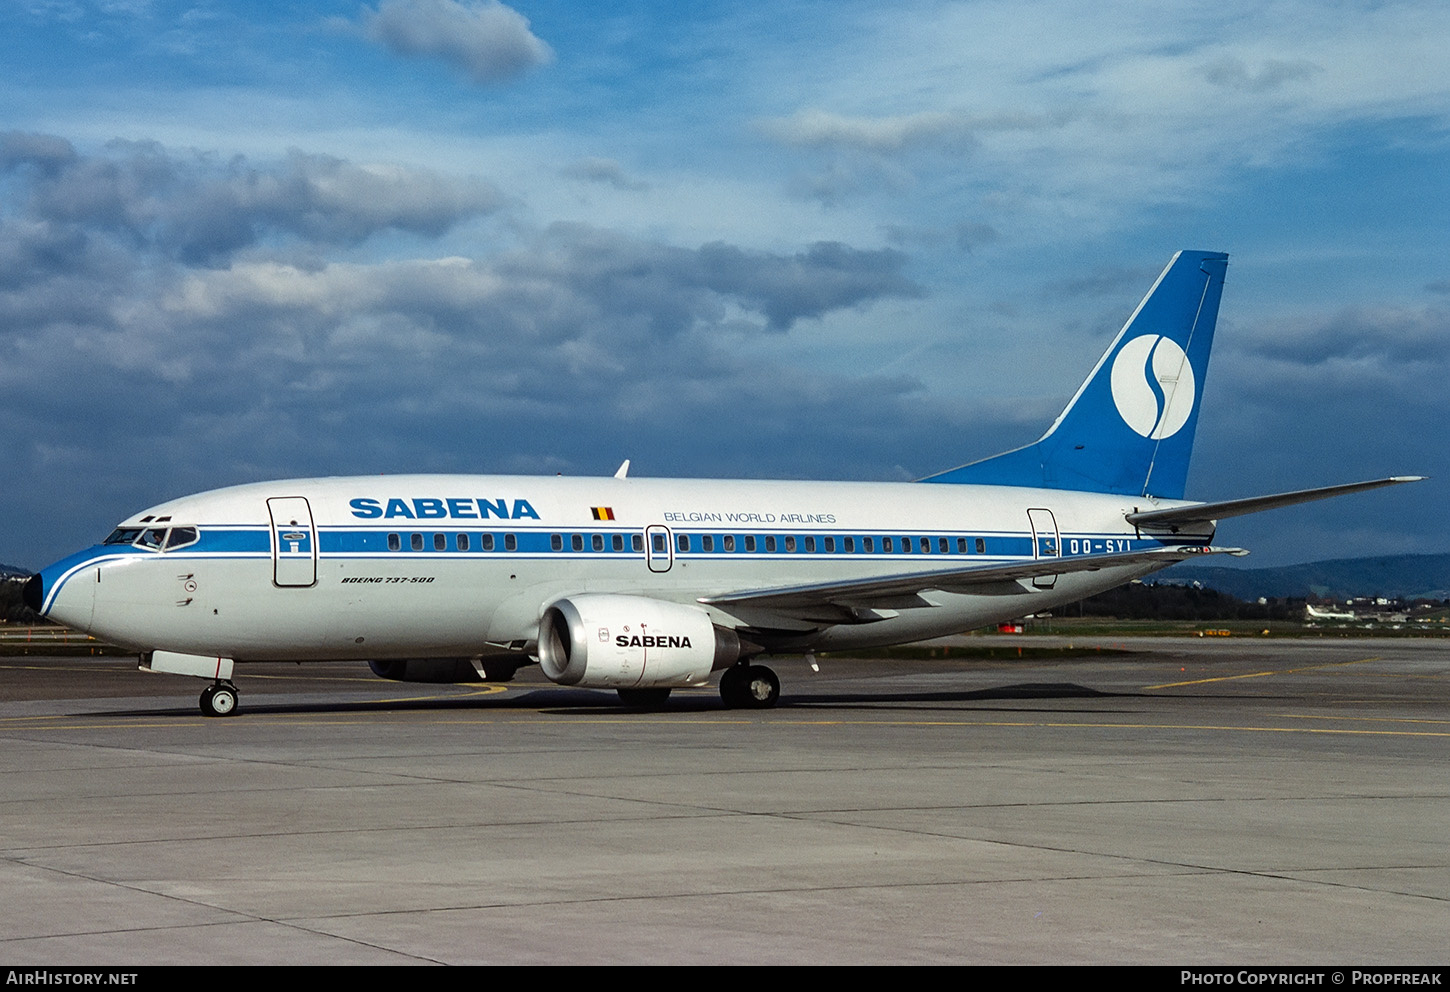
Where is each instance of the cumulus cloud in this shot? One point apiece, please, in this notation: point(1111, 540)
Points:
point(1375, 345)
point(200, 209)
point(827, 276)
point(486, 39)
point(1367, 379)
point(570, 284)
point(44, 152)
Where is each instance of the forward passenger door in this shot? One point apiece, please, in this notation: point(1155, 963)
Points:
point(294, 542)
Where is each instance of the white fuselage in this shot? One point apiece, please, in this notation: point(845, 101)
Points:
point(458, 566)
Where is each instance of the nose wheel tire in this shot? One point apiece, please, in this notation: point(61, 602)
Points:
point(749, 687)
point(219, 699)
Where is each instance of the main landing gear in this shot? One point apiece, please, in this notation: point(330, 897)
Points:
point(219, 699)
point(749, 687)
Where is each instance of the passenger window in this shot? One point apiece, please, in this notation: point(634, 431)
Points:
point(556, 542)
point(926, 546)
point(576, 541)
point(510, 542)
point(597, 542)
point(729, 542)
point(707, 542)
point(981, 546)
point(682, 542)
point(888, 545)
point(395, 543)
point(416, 540)
point(849, 544)
point(440, 542)
point(961, 545)
point(810, 543)
point(868, 545)
point(943, 546)
point(790, 542)
point(617, 542)
point(636, 541)
point(769, 542)
point(750, 543)
point(462, 542)
point(485, 542)
point(658, 541)
point(830, 544)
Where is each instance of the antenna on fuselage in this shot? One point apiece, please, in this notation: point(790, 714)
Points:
point(623, 470)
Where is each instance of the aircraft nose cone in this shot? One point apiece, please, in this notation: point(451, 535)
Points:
point(33, 595)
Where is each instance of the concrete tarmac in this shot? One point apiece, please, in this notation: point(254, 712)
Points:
point(1188, 801)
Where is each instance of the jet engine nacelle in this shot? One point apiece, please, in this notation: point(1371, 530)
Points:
point(628, 642)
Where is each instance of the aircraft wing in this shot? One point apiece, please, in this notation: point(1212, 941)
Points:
point(1203, 513)
point(860, 600)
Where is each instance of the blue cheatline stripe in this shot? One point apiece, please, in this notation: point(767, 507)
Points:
point(234, 542)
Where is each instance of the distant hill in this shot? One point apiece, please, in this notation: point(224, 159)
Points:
point(13, 570)
point(1393, 576)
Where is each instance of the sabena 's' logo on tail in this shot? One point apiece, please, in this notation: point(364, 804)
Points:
point(1153, 386)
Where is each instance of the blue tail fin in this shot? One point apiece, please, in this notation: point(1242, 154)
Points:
point(1130, 427)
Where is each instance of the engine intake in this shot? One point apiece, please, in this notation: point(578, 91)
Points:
point(629, 642)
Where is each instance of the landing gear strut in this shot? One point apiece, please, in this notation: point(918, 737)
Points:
point(219, 699)
point(749, 687)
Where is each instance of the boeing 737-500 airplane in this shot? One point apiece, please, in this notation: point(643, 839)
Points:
point(644, 585)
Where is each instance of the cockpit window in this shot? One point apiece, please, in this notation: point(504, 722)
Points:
point(180, 537)
point(154, 537)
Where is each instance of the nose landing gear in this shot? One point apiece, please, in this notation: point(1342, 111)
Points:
point(219, 699)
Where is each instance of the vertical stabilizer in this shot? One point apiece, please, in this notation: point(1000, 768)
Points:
point(1129, 429)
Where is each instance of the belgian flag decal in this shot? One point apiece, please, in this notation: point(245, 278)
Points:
point(603, 512)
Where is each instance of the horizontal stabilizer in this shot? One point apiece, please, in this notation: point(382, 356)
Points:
point(1206, 513)
point(853, 600)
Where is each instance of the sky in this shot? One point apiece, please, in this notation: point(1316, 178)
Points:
point(243, 241)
